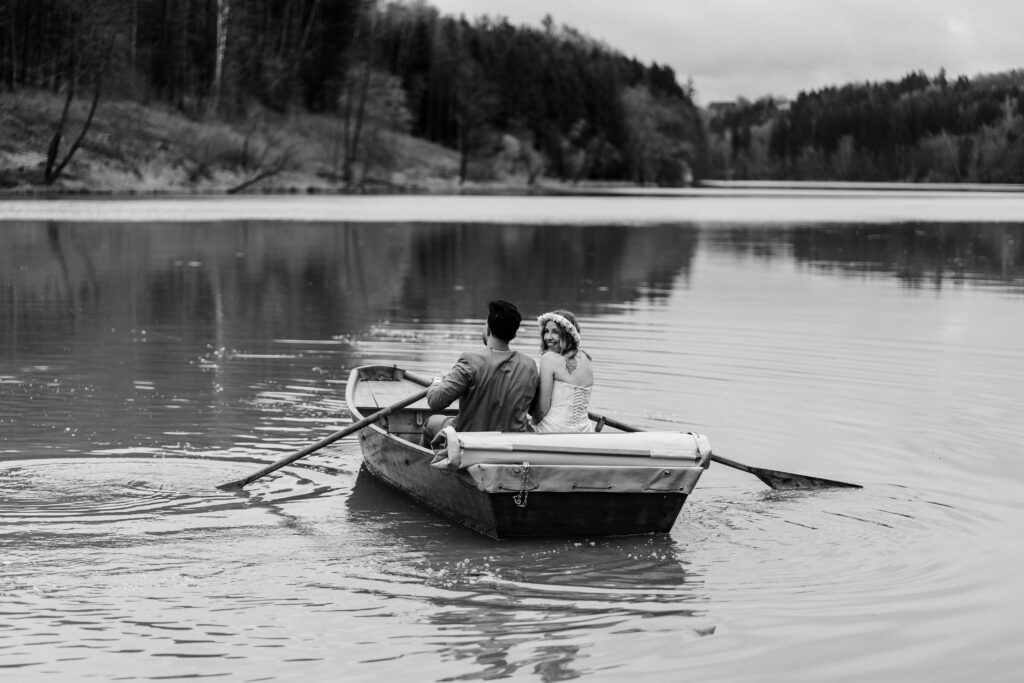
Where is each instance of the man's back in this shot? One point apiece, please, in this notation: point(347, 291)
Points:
point(494, 388)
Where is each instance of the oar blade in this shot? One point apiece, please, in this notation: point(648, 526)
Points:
point(780, 481)
point(787, 481)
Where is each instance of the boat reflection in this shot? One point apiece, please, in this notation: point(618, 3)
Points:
point(492, 599)
point(646, 565)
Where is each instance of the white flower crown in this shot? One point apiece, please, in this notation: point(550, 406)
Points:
point(562, 322)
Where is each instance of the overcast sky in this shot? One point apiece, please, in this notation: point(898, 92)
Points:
point(751, 48)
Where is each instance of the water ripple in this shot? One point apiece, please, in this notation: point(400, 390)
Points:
point(68, 494)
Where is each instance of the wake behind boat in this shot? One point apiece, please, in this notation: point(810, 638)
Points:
point(510, 485)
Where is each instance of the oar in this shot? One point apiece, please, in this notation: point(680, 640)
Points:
point(773, 478)
point(351, 429)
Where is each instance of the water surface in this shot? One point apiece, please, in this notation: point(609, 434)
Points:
point(141, 364)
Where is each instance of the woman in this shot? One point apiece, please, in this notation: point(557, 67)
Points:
point(566, 377)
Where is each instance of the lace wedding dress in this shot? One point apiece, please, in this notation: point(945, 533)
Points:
point(568, 412)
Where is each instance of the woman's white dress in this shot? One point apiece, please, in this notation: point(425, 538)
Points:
point(568, 411)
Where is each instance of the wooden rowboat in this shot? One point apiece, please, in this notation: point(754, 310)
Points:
point(509, 485)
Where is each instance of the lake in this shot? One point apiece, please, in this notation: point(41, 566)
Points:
point(151, 349)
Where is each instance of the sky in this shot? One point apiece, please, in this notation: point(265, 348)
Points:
point(754, 48)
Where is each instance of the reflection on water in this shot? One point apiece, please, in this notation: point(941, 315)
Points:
point(141, 365)
point(309, 280)
point(921, 255)
point(101, 312)
point(494, 600)
point(637, 569)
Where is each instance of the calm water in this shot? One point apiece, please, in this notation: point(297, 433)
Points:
point(142, 364)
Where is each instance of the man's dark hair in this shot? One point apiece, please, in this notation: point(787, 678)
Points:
point(503, 318)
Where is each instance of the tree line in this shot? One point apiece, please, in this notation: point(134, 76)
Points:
point(534, 101)
point(916, 129)
point(527, 101)
point(548, 97)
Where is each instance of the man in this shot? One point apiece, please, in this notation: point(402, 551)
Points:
point(494, 387)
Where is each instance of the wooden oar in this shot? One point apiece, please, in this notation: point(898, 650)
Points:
point(351, 429)
point(773, 478)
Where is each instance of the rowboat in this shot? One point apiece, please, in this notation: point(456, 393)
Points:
point(515, 485)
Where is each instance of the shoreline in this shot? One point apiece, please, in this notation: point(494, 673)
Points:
point(717, 188)
point(631, 208)
point(133, 150)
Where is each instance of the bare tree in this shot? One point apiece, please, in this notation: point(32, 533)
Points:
point(373, 108)
point(271, 161)
point(95, 30)
point(223, 16)
point(353, 109)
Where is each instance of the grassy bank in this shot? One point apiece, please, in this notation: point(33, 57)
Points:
point(133, 149)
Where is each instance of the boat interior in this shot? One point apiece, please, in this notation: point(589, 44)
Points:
point(378, 391)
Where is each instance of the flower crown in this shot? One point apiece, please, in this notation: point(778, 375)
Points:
point(562, 322)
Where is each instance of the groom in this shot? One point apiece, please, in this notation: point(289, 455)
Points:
point(494, 386)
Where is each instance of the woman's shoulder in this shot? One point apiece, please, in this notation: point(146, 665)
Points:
point(584, 361)
point(549, 358)
point(584, 369)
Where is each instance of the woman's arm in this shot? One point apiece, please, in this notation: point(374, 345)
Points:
point(542, 402)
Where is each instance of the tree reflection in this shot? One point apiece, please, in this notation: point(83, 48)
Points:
point(917, 254)
point(260, 281)
point(457, 268)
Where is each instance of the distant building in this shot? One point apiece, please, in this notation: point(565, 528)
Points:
point(716, 109)
point(721, 108)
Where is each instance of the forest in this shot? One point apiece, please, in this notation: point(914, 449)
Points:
point(917, 129)
point(360, 78)
point(531, 101)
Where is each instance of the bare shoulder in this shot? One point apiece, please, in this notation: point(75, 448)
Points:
point(583, 375)
point(550, 361)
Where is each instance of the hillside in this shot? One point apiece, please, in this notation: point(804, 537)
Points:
point(136, 149)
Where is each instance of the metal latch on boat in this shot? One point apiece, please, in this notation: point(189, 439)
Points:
point(520, 498)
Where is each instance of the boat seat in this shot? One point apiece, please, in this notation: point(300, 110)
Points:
point(407, 423)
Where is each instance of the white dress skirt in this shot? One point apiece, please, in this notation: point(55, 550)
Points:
point(568, 411)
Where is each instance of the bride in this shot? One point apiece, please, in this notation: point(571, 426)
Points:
point(566, 377)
